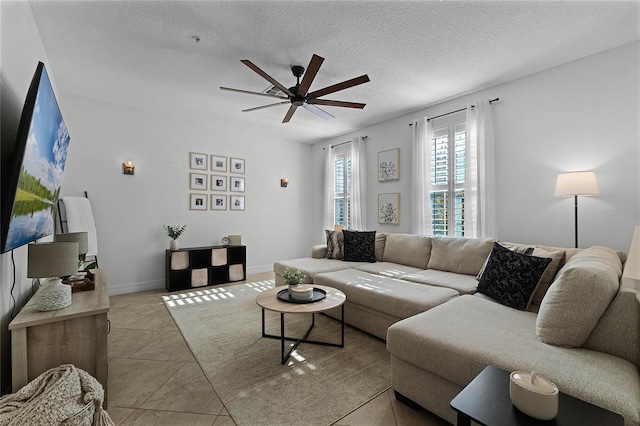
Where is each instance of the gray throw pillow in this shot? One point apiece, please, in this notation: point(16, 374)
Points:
point(335, 244)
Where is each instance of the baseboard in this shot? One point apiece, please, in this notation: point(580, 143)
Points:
point(135, 287)
point(260, 269)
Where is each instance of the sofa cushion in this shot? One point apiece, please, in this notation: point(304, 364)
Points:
point(359, 246)
point(557, 260)
point(463, 284)
point(510, 277)
point(407, 249)
point(335, 244)
point(457, 339)
point(381, 239)
point(578, 297)
point(461, 255)
point(388, 269)
point(311, 267)
point(397, 298)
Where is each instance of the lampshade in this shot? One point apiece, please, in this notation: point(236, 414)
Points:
point(81, 237)
point(577, 183)
point(58, 259)
point(631, 273)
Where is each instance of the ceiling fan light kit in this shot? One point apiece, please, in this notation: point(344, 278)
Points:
point(299, 95)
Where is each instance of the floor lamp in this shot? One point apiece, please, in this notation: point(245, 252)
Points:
point(574, 184)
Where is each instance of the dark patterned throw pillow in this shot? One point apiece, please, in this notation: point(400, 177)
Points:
point(335, 244)
point(359, 246)
point(510, 278)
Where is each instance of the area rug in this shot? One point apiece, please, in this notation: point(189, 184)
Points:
point(318, 385)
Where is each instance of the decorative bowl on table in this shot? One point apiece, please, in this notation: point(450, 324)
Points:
point(534, 395)
point(301, 292)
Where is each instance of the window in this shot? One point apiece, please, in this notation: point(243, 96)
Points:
point(341, 193)
point(447, 180)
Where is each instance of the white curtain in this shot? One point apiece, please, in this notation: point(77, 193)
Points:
point(328, 215)
point(358, 184)
point(421, 150)
point(479, 189)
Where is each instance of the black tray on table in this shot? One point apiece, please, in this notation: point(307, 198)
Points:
point(318, 294)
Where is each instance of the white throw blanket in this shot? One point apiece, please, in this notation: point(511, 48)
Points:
point(79, 218)
point(52, 397)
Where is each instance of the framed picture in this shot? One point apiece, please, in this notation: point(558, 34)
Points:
point(218, 202)
point(237, 165)
point(237, 184)
point(198, 201)
point(198, 181)
point(389, 165)
point(236, 202)
point(218, 164)
point(218, 183)
point(197, 161)
point(389, 208)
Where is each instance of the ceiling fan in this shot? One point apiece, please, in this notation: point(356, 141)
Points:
point(299, 94)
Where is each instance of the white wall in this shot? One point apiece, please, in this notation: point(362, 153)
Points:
point(129, 211)
point(20, 50)
point(582, 115)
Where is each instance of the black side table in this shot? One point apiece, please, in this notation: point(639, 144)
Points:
point(486, 401)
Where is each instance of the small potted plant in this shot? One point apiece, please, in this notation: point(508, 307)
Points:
point(293, 278)
point(174, 232)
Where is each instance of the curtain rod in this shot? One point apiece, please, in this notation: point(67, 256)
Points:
point(458, 110)
point(342, 143)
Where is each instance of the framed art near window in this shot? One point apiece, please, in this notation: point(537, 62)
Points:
point(237, 165)
point(237, 184)
point(389, 165)
point(218, 202)
point(218, 164)
point(218, 183)
point(236, 202)
point(198, 181)
point(197, 161)
point(389, 208)
point(198, 201)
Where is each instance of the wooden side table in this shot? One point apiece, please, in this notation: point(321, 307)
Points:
point(74, 335)
point(486, 401)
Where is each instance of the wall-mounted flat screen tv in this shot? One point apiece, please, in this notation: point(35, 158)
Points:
point(31, 182)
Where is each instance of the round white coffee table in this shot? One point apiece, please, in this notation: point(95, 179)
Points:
point(269, 300)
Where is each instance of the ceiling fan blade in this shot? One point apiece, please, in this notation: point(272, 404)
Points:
point(317, 111)
point(266, 76)
point(328, 102)
point(265, 106)
point(310, 74)
point(253, 93)
point(289, 113)
point(340, 86)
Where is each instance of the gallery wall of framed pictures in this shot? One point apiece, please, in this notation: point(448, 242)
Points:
point(217, 182)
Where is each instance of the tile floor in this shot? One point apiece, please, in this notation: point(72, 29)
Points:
point(155, 380)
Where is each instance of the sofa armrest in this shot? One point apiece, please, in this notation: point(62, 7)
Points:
point(319, 251)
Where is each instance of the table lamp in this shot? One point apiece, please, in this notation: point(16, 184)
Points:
point(631, 273)
point(576, 183)
point(52, 261)
point(83, 243)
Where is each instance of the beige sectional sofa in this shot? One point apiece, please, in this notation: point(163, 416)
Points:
point(581, 329)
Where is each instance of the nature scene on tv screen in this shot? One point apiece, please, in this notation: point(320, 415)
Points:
point(41, 171)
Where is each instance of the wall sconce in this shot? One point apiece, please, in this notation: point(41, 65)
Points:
point(128, 167)
point(284, 182)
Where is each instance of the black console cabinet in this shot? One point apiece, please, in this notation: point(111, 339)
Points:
point(195, 267)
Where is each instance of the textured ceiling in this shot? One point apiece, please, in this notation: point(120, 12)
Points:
point(142, 53)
